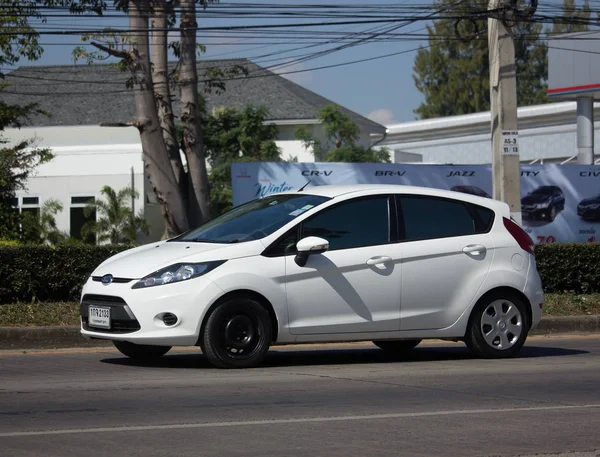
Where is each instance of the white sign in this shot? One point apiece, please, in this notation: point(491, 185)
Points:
point(559, 203)
point(510, 142)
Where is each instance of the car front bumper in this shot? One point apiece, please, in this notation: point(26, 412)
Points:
point(137, 315)
point(586, 213)
point(535, 213)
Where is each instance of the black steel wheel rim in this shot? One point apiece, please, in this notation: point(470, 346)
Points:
point(240, 335)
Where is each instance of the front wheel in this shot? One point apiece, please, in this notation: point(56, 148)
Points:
point(141, 351)
point(237, 334)
point(498, 327)
point(398, 347)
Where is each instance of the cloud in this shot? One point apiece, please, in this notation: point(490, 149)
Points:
point(382, 116)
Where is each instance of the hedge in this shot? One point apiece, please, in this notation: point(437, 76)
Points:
point(44, 273)
point(569, 267)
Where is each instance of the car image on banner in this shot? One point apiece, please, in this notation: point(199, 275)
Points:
point(569, 215)
point(544, 203)
point(589, 209)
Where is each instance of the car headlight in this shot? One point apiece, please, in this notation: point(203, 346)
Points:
point(176, 273)
point(596, 206)
point(543, 205)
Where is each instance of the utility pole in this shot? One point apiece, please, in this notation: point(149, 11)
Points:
point(506, 171)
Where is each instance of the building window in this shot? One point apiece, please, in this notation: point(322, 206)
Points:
point(78, 218)
point(26, 213)
point(30, 205)
point(27, 201)
point(26, 205)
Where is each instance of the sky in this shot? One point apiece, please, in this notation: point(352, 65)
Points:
point(381, 89)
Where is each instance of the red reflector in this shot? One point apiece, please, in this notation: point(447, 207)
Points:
point(520, 236)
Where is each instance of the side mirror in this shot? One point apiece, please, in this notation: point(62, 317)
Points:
point(308, 246)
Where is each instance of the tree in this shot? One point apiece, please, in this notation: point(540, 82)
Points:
point(181, 189)
point(341, 136)
point(115, 221)
point(573, 18)
point(453, 71)
point(19, 161)
point(236, 136)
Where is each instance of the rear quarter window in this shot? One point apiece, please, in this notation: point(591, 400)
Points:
point(424, 217)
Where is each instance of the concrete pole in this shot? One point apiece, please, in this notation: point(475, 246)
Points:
point(585, 130)
point(506, 170)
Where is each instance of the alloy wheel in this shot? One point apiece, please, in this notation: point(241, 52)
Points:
point(501, 324)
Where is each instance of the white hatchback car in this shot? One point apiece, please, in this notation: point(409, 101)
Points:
point(388, 264)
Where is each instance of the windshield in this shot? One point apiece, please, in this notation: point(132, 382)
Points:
point(253, 220)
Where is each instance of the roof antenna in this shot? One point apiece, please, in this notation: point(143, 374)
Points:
point(302, 188)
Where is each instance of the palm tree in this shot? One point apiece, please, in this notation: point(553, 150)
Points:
point(115, 220)
point(42, 228)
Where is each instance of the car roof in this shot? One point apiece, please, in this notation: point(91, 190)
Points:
point(356, 190)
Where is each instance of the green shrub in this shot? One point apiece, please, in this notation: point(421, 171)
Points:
point(9, 243)
point(569, 267)
point(46, 273)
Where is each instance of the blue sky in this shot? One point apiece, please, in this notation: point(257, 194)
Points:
point(381, 89)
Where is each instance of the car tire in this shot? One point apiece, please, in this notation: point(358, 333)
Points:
point(397, 346)
point(237, 334)
point(498, 326)
point(141, 351)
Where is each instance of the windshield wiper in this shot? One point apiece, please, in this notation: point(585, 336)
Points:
point(205, 240)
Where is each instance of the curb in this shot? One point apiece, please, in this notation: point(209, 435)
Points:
point(568, 324)
point(69, 337)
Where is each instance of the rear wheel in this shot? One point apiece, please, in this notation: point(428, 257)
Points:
point(140, 351)
point(237, 334)
point(397, 346)
point(552, 212)
point(498, 327)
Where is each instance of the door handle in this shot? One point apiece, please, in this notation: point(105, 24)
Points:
point(476, 249)
point(378, 260)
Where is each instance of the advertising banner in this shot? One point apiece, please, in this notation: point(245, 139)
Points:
point(560, 203)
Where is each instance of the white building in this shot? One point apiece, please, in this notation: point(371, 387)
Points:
point(547, 133)
point(82, 99)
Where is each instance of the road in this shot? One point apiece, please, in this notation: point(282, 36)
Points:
point(345, 400)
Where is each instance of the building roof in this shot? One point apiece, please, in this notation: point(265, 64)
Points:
point(93, 94)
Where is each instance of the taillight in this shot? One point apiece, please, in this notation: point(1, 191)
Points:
point(520, 236)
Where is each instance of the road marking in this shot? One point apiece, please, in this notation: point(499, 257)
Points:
point(302, 420)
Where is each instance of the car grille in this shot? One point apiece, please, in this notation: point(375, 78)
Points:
point(114, 280)
point(120, 322)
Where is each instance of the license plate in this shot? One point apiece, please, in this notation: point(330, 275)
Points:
point(98, 317)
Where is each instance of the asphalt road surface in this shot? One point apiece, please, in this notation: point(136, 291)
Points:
point(344, 400)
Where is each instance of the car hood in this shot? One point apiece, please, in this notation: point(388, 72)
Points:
point(532, 199)
point(590, 201)
point(139, 262)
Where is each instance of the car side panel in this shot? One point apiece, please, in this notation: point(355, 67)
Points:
point(439, 280)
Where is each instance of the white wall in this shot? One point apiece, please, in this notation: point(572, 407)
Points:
point(547, 143)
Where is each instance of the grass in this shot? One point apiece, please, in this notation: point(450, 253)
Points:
point(571, 304)
point(67, 313)
point(39, 314)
